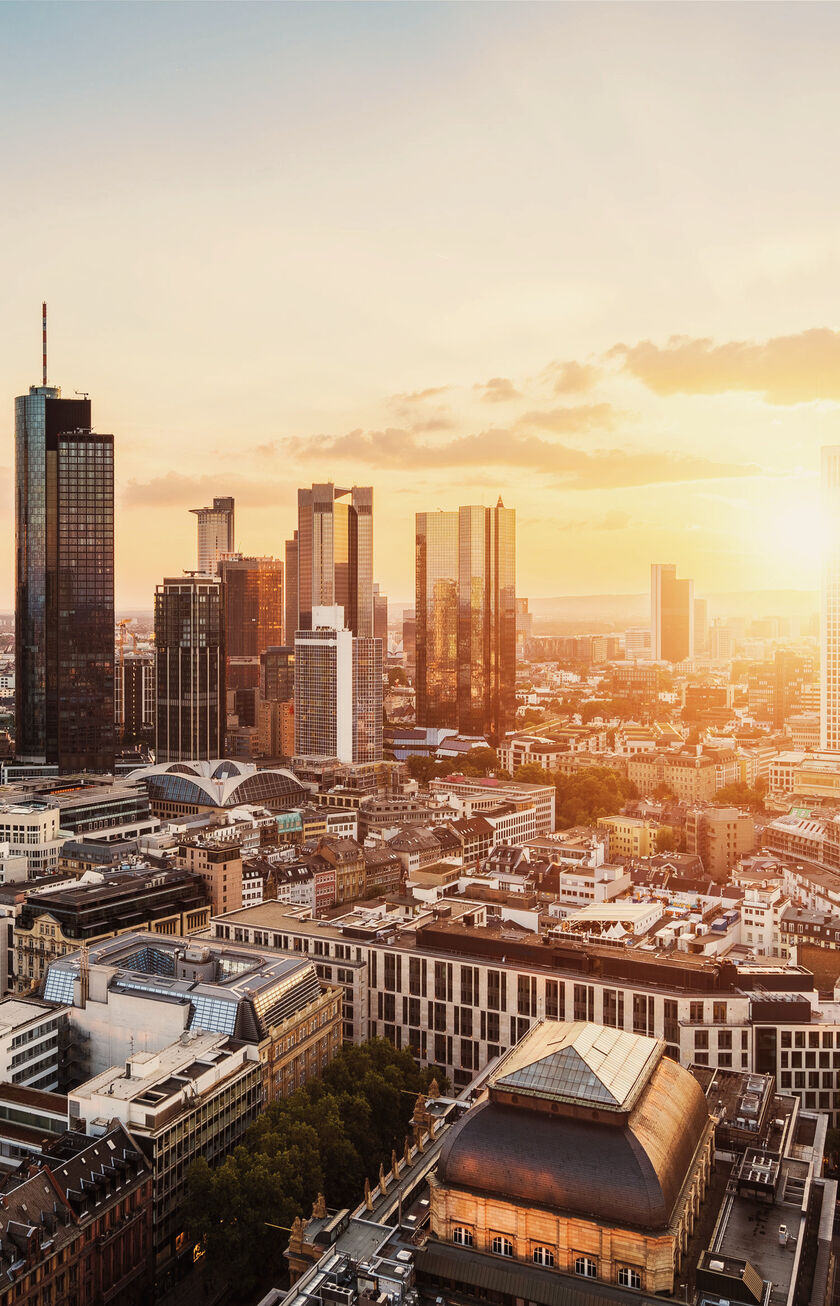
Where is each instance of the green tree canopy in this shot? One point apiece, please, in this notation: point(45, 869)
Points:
point(587, 794)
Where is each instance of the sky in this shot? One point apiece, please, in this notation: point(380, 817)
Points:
point(582, 256)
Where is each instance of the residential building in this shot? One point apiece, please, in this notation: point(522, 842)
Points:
point(466, 620)
point(76, 1223)
point(64, 584)
point(215, 534)
point(53, 922)
point(190, 652)
point(630, 836)
point(671, 614)
point(338, 691)
point(762, 911)
point(333, 549)
point(720, 836)
point(219, 867)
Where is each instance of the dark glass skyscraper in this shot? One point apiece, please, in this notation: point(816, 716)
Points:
point(334, 556)
point(64, 584)
point(191, 708)
point(466, 620)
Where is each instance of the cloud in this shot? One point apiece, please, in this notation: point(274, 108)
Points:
point(176, 490)
point(418, 396)
point(498, 390)
point(572, 378)
point(397, 449)
point(785, 369)
point(579, 417)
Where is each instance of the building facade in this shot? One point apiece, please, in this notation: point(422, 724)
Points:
point(253, 589)
point(671, 614)
point(215, 534)
point(465, 631)
point(338, 691)
point(334, 553)
point(64, 584)
point(830, 614)
point(190, 652)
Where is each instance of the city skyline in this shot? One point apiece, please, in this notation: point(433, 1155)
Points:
point(489, 320)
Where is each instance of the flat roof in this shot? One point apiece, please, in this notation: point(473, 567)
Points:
point(17, 1012)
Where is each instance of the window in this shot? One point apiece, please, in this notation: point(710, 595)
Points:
point(629, 1278)
point(586, 1268)
point(462, 1235)
point(695, 1013)
point(543, 1256)
point(502, 1246)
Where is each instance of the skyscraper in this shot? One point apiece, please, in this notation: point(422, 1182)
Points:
point(190, 669)
point(338, 691)
point(830, 608)
point(701, 627)
point(64, 583)
point(215, 534)
point(671, 614)
point(277, 673)
point(380, 617)
point(290, 583)
point(253, 589)
point(466, 620)
point(334, 555)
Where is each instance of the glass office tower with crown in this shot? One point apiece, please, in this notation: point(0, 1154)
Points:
point(333, 554)
point(466, 620)
point(64, 584)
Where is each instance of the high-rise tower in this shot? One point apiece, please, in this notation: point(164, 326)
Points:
point(466, 620)
point(334, 551)
point(830, 613)
point(338, 691)
point(671, 614)
point(64, 583)
point(215, 534)
point(190, 669)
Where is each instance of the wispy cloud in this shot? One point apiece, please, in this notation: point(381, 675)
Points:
point(177, 490)
point(785, 369)
point(497, 390)
point(396, 448)
point(571, 377)
point(571, 420)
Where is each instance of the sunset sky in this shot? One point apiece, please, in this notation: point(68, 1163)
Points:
point(584, 256)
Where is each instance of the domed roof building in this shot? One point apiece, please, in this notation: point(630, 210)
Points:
point(181, 788)
point(591, 1154)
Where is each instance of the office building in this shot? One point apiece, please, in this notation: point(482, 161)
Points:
point(334, 551)
point(277, 673)
point(30, 1043)
point(190, 650)
point(720, 836)
point(290, 583)
point(56, 921)
point(215, 534)
point(64, 584)
point(671, 614)
point(194, 1098)
point(830, 613)
point(380, 617)
point(466, 620)
point(701, 627)
point(32, 830)
point(253, 589)
point(409, 636)
point(134, 697)
point(338, 691)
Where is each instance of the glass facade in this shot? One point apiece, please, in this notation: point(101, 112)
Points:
point(277, 673)
point(367, 700)
point(465, 629)
point(215, 534)
point(253, 604)
point(190, 669)
point(64, 584)
point(333, 548)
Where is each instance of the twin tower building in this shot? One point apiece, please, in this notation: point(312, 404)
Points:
point(65, 620)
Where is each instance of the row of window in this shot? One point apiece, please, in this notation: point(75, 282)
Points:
point(584, 1266)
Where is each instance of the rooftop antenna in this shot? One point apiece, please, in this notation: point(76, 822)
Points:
point(44, 340)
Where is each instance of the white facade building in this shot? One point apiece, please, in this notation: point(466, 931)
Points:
point(29, 1053)
point(31, 830)
point(338, 691)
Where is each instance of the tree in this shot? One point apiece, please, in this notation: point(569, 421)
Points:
point(533, 774)
point(325, 1138)
point(666, 840)
point(396, 676)
point(585, 795)
point(741, 795)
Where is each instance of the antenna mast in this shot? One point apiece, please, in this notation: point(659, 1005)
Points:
point(44, 340)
